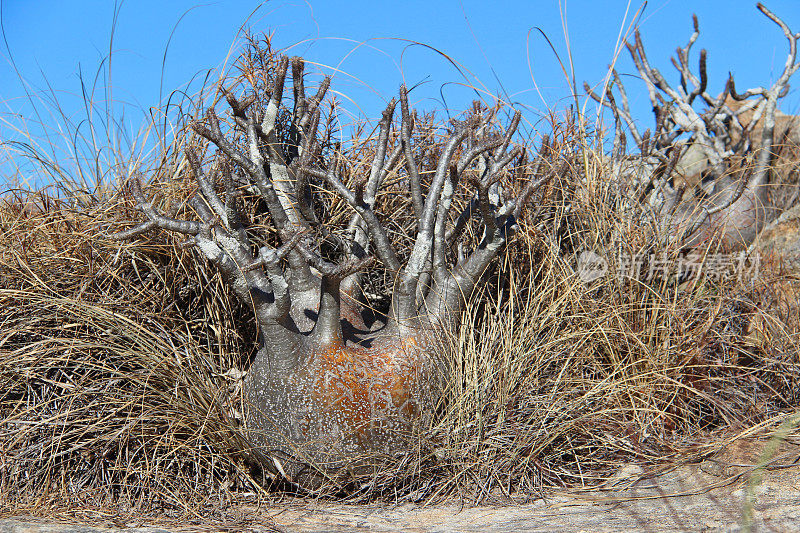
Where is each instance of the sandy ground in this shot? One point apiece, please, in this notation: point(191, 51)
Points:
point(718, 494)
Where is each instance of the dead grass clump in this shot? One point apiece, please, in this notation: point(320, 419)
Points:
point(118, 368)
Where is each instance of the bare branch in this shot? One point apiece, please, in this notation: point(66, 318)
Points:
point(461, 221)
point(270, 258)
point(470, 155)
point(378, 162)
point(206, 185)
point(383, 245)
point(162, 221)
point(510, 131)
point(485, 205)
point(301, 193)
point(439, 262)
point(423, 243)
point(300, 103)
point(411, 165)
point(274, 104)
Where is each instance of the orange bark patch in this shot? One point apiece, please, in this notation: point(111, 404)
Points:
point(362, 387)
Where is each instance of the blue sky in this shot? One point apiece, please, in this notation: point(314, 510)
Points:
point(47, 43)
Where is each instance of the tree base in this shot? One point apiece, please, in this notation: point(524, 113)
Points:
point(341, 410)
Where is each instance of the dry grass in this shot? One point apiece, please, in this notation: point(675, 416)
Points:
point(114, 365)
point(558, 384)
point(120, 363)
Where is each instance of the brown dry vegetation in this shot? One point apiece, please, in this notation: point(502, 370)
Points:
point(120, 363)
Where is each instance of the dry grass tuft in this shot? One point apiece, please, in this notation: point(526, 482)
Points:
point(115, 367)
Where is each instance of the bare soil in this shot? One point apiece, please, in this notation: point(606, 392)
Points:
point(727, 492)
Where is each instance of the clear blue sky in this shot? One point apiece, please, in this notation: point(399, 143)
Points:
point(51, 41)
